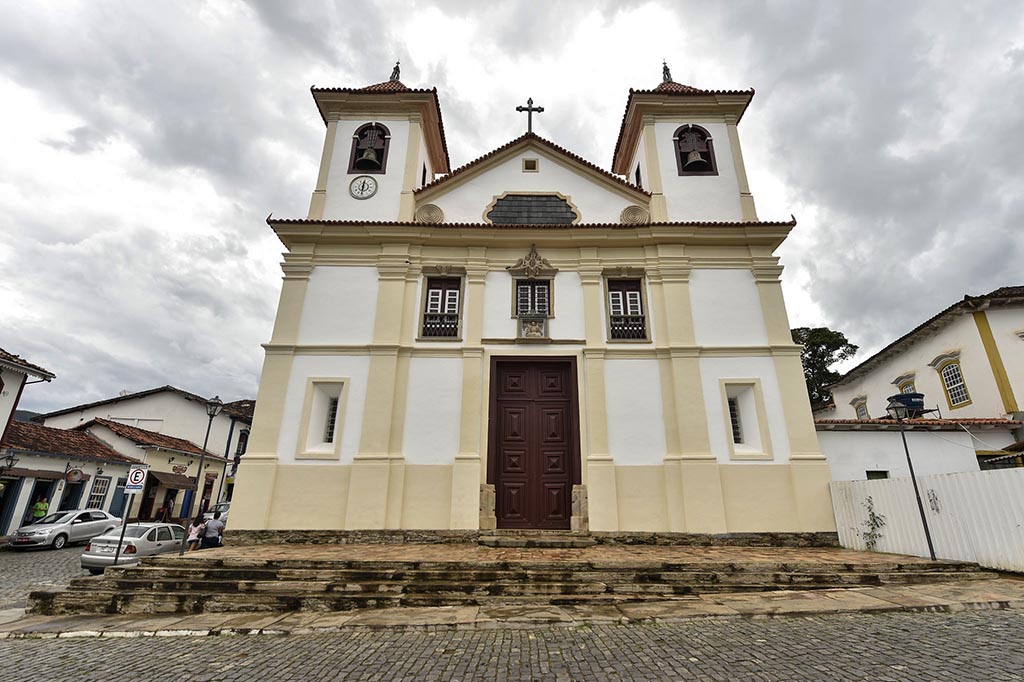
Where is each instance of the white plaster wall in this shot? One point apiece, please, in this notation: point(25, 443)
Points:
point(636, 427)
point(498, 322)
point(1007, 322)
point(852, 453)
point(713, 370)
point(12, 384)
point(165, 412)
point(594, 201)
point(433, 410)
point(339, 204)
point(356, 369)
point(699, 197)
point(726, 308)
point(961, 334)
point(340, 305)
point(568, 307)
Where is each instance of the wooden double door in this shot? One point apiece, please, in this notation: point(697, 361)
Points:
point(534, 441)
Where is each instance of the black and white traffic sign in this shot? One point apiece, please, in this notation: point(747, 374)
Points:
point(136, 479)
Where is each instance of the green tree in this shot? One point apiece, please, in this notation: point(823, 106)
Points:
point(822, 348)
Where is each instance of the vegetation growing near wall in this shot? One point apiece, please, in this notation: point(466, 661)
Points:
point(873, 525)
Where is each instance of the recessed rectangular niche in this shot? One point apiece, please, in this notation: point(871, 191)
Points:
point(323, 414)
point(531, 165)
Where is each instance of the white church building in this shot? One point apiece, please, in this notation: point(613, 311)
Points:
point(531, 341)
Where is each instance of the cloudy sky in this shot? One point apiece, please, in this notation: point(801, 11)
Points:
point(143, 144)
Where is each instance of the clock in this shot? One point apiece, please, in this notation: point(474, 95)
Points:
point(363, 187)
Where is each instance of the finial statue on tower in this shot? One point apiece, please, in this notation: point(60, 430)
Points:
point(666, 75)
point(394, 72)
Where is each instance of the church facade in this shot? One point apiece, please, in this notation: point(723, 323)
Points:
point(531, 341)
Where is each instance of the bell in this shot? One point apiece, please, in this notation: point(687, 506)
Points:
point(368, 160)
point(695, 162)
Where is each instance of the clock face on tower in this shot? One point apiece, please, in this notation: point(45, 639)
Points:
point(363, 187)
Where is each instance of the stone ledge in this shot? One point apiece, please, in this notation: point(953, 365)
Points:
point(435, 537)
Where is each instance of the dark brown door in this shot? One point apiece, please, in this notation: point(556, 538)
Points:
point(534, 449)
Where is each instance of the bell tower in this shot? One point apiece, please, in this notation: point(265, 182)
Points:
point(682, 144)
point(383, 142)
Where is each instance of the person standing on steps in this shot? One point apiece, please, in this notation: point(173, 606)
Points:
point(214, 532)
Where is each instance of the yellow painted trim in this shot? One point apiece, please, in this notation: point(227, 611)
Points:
point(536, 167)
point(942, 381)
point(995, 361)
point(312, 384)
point(762, 420)
point(319, 199)
point(746, 198)
point(407, 202)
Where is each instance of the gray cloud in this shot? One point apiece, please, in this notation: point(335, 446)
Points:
point(893, 127)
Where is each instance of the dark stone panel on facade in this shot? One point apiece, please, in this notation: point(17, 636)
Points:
point(532, 209)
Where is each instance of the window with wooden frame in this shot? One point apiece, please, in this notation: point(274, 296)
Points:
point(694, 150)
point(99, 492)
point(746, 427)
point(627, 320)
point(954, 385)
point(533, 307)
point(442, 303)
point(370, 145)
point(323, 415)
point(860, 407)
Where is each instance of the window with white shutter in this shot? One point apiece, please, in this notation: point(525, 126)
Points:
point(626, 309)
point(441, 310)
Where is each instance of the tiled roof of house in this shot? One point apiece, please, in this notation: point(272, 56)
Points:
point(148, 438)
point(38, 438)
point(1000, 296)
point(546, 143)
point(579, 226)
point(669, 88)
point(128, 396)
point(19, 362)
point(241, 409)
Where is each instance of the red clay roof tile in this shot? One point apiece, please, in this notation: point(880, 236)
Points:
point(38, 438)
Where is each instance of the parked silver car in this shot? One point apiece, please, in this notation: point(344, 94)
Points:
point(60, 528)
point(140, 539)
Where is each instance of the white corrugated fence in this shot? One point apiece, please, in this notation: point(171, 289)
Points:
point(974, 516)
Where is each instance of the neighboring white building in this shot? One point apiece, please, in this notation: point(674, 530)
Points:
point(968, 361)
point(865, 449)
point(166, 410)
point(70, 469)
point(14, 375)
point(532, 341)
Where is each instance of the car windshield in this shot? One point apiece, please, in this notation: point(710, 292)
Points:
point(61, 517)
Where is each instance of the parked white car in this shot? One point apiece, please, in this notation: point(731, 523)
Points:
point(60, 528)
point(223, 508)
point(140, 539)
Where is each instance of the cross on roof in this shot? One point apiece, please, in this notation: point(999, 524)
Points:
point(529, 109)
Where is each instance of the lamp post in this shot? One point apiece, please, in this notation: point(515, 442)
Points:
point(900, 407)
point(6, 464)
point(213, 408)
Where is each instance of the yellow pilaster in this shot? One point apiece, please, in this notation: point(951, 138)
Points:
point(995, 361)
point(659, 208)
point(746, 198)
point(407, 204)
point(316, 204)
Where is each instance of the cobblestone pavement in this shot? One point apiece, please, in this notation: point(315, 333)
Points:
point(21, 572)
point(965, 646)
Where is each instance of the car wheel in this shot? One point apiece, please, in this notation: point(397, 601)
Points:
point(60, 541)
point(96, 571)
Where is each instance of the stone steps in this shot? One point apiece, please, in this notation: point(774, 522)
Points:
point(201, 584)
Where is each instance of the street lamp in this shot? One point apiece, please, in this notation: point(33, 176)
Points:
point(6, 464)
point(213, 408)
point(902, 406)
